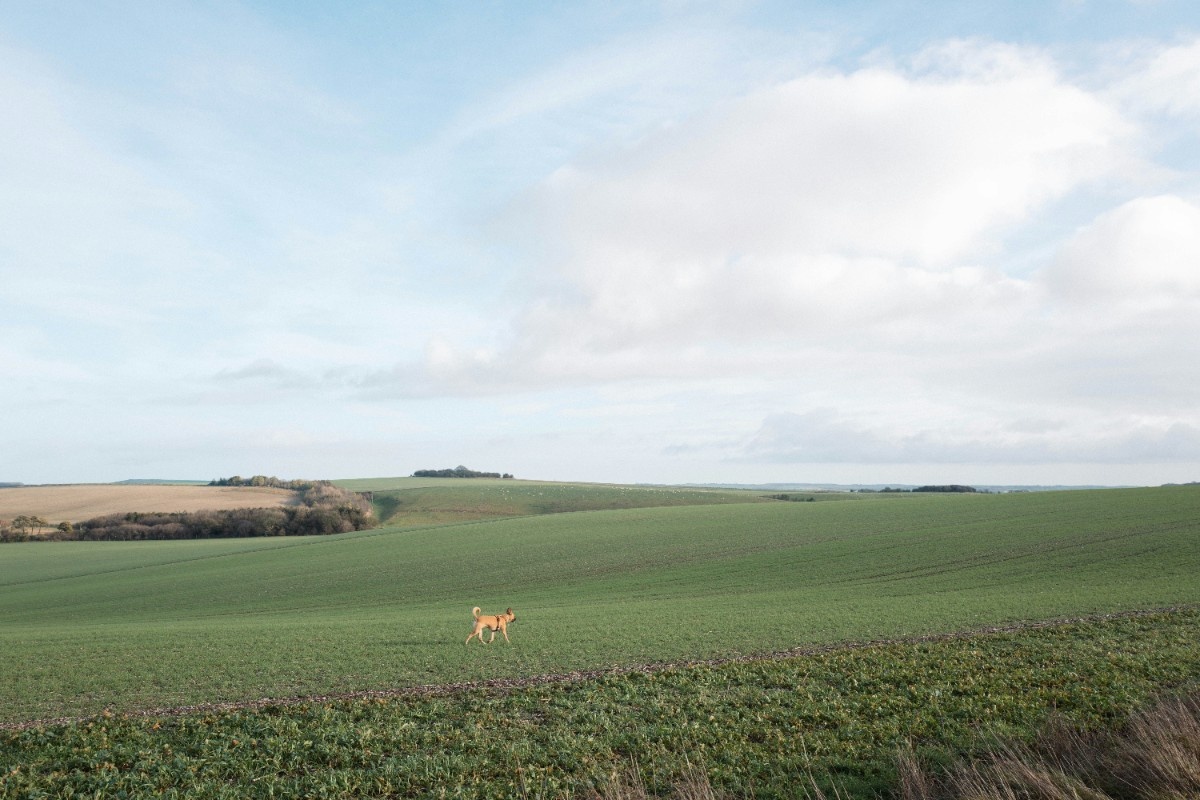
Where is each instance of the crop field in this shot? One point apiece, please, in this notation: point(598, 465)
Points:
point(831, 721)
point(111, 627)
point(79, 502)
point(412, 502)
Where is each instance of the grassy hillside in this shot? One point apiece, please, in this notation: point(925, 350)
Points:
point(84, 626)
point(411, 502)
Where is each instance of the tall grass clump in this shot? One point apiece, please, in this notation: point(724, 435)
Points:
point(628, 784)
point(1155, 755)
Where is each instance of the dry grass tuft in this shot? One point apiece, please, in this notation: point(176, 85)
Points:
point(1155, 756)
point(1159, 753)
point(624, 785)
point(915, 782)
point(1015, 773)
point(628, 785)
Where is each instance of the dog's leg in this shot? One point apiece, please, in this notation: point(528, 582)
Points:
point(504, 630)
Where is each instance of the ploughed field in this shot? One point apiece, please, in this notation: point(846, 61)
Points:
point(79, 502)
point(89, 627)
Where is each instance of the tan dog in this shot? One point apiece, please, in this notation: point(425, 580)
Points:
point(490, 622)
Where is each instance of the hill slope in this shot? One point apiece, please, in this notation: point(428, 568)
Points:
point(413, 502)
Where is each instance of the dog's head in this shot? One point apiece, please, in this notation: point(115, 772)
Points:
point(510, 616)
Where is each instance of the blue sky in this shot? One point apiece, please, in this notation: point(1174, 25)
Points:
point(673, 242)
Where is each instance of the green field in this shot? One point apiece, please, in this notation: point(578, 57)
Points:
point(86, 627)
point(412, 502)
point(767, 729)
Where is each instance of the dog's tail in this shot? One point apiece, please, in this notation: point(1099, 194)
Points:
point(475, 612)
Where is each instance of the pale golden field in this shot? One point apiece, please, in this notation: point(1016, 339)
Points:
point(78, 502)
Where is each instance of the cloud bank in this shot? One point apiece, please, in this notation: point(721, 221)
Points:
point(878, 236)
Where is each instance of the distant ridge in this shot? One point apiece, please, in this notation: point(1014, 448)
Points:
point(157, 482)
point(875, 487)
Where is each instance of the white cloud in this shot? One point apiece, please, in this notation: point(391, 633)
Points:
point(840, 237)
point(870, 163)
point(1165, 79)
point(264, 371)
point(1145, 251)
point(856, 206)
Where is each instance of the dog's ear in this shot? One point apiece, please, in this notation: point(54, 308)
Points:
point(509, 610)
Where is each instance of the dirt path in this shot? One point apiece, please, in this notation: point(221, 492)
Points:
point(507, 684)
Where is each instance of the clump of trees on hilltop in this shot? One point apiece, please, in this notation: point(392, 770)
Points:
point(953, 488)
point(457, 472)
point(262, 480)
point(793, 498)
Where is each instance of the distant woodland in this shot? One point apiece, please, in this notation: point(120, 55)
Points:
point(953, 488)
point(457, 472)
point(263, 481)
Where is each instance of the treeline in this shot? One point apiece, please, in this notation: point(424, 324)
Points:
point(457, 472)
point(322, 509)
point(793, 498)
point(14, 534)
point(953, 488)
point(262, 480)
point(29, 527)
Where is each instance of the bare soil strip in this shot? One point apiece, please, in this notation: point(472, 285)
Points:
point(508, 684)
point(79, 502)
